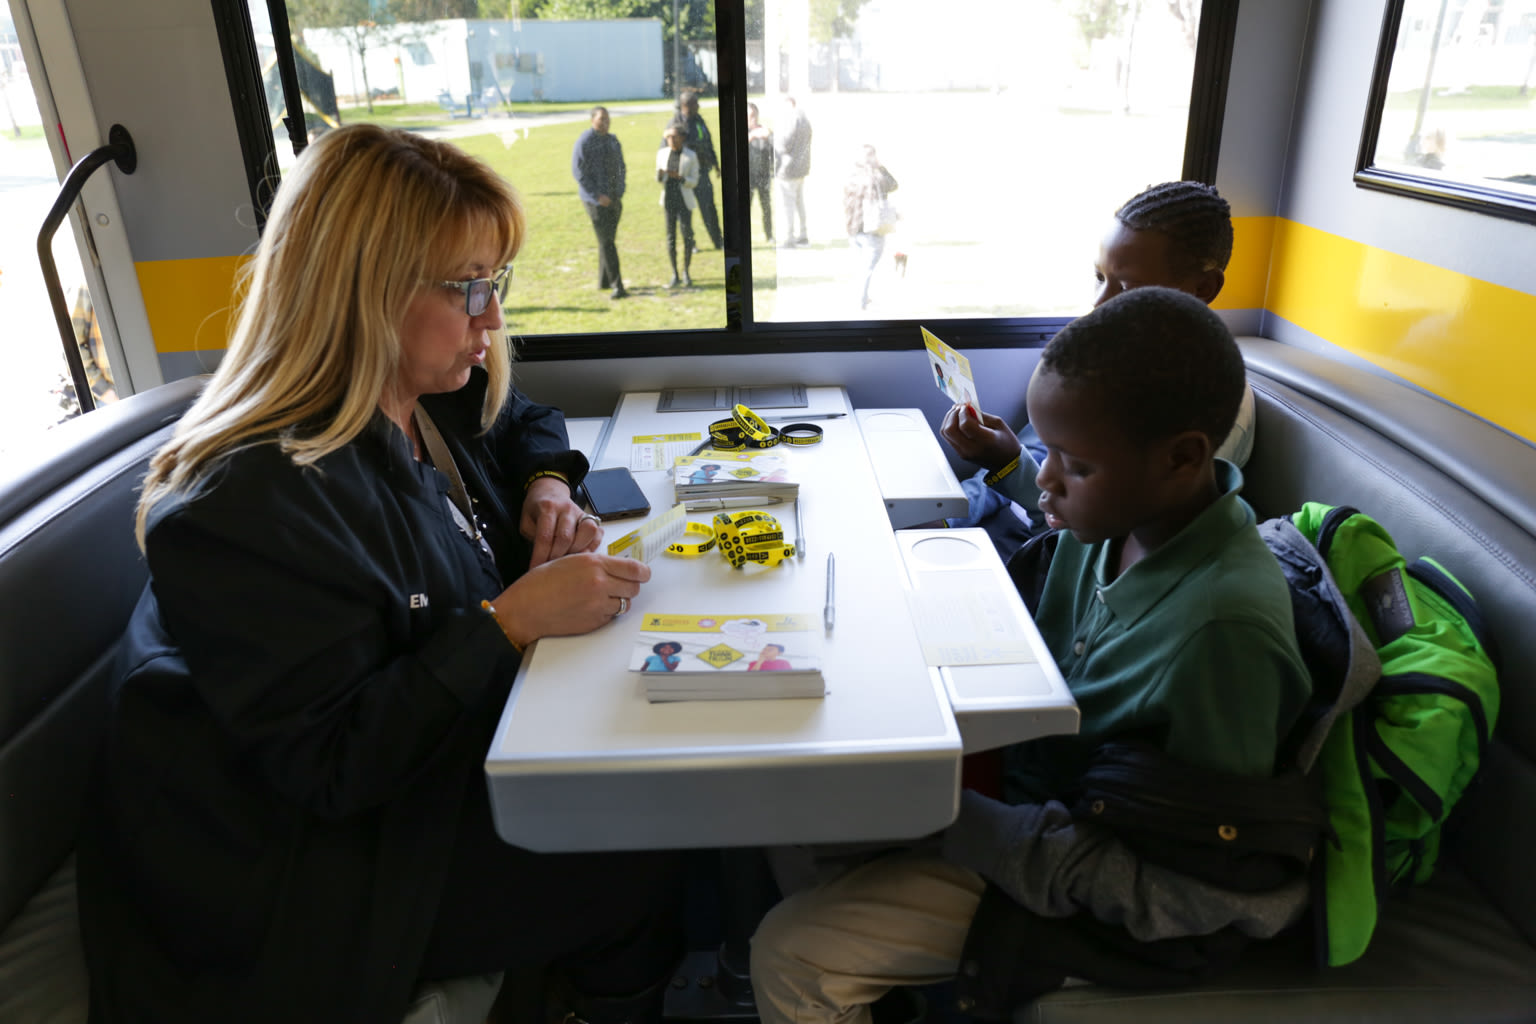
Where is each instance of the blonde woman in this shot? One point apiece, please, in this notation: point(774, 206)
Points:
point(352, 536)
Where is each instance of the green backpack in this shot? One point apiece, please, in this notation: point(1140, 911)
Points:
point(1393, 767)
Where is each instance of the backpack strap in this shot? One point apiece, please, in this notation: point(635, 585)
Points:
point(1342, 660)
point(1434, 576)
point(1030, 565)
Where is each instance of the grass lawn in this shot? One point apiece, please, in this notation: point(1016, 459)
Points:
point(556, 288)
point(1008, 235)
point(432, 115)
point(1474, 97)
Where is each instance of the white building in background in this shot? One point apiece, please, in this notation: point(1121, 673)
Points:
point(521, 60)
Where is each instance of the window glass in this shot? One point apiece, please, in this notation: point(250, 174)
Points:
point(1010, 131)
point(37, 390)
point(1457, 103)
point(515, 83)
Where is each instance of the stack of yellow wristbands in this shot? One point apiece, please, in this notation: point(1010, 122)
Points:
point(746, 429)
point(751, 536)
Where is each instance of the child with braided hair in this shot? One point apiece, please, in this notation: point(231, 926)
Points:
point(1177, 235)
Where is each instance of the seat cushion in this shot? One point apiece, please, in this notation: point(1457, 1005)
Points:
point(454, 1001)
point(1441, 952)
point(42, 967)
point(43, 979)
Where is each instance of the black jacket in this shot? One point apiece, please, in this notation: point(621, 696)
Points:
point(1247, 836)
point(305, 692)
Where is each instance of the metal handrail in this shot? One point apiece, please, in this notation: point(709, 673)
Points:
point(119, 149)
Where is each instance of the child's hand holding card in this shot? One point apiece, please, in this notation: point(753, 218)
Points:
point(951, 372)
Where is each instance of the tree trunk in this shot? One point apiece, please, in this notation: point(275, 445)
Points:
point(5, 93)
point(362, 58)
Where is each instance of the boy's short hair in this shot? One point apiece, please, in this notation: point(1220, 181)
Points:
point(1156, 360)
point(1192, 214)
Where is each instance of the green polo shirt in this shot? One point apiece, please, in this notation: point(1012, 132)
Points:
point(1192, 649)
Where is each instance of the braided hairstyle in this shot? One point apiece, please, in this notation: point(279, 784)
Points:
point(1193, 216)
point(1156, 361)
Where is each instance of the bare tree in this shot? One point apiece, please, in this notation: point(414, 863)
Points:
point(1188, 14)
point(363, 24)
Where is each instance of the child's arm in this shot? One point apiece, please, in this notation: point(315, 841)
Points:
point(987, 441)
point(1056, 866)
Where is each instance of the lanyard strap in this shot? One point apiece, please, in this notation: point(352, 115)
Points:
point(442, 458)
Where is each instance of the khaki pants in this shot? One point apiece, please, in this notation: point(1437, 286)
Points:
point(823, 955)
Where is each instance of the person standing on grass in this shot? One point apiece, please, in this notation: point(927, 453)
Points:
point(677, 169)
point(597, 164)
point(697, 138)
point(760, 166)
point(793, 149)
point(867, 213)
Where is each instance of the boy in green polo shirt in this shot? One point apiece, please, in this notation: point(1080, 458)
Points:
point(1171, 623)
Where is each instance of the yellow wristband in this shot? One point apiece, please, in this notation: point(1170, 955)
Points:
point(751, 424)
point(491, 610)
point(996, 477)
point(697, 539)
point(751, 536)
point(727, 436)
point(547, 472)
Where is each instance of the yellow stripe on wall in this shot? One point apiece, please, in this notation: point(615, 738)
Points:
point(1248, 269)
point(1465, 339)
point(1457, 336)
point(188, 301)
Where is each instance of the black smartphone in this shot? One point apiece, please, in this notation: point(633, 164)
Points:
point(613, 494)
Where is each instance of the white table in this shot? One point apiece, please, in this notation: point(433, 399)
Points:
point(916, 481)
point(581, 761)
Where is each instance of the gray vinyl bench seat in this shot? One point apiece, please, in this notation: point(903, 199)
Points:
point(71, 573)
point(1449, 484)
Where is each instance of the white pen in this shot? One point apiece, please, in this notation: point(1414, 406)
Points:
point(721, 504)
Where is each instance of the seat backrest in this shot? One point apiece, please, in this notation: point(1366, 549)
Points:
point(1444, 483)
point(70, 573)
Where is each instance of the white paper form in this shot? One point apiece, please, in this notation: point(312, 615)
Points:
point(658, 451)
point(960, 622)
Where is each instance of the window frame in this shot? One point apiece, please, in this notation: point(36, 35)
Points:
point(741, 335)
point(1466, 195)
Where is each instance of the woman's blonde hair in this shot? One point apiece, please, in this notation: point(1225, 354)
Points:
point(366, 220)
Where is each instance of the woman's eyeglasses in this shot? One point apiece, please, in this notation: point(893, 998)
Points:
point(477, 293)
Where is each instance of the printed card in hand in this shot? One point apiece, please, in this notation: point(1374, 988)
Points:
point(951, 371)
point(728, 657)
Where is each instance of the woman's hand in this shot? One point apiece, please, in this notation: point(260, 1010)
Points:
point(989, 442)
point(569, 596)
point(555, 524)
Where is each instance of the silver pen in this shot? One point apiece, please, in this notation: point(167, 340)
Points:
point(828, 611)
point(799, 531)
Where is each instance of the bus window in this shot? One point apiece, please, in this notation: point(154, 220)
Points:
point(37, 390)
point(1450, 107)
point(1010, 132)
point(519, 93)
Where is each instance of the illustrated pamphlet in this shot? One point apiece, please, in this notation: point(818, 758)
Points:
point(732, 474)
point(958, 624)
point(951, 371)
point(657, 451)
point(729, 657)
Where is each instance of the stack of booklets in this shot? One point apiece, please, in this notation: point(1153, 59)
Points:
point(733, 475)
point(729, 657)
